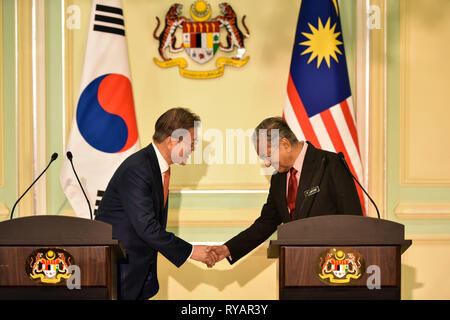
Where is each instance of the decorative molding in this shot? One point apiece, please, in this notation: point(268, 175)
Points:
point(25, 104)
point(221, 191)
point(405, 107)
point(210, 187)
point(404, 61)
point(68, 75)
point(361, 95)
point(429, 238)
point(2, 115)
point(40, 106)
point(377, 111)
point(203, 217)
point(423, 210)
point(212, 217)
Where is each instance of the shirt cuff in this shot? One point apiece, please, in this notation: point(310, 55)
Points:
point(190, 255)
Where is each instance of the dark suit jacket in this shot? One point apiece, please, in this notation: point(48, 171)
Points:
point(133, 204)
point(337, 195)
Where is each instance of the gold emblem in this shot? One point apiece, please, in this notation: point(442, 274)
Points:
point(49, 265)
point(200, 10)
point(340, 266)
point(201, 39)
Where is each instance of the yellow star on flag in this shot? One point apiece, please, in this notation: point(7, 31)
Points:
point(322, 43)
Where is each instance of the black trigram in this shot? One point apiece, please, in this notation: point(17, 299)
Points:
point(99, 199)
point(105, 16)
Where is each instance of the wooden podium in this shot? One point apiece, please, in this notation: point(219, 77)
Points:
point(37, 252)
point(339, 257)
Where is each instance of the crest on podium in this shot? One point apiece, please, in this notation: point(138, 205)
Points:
point(340, 266)
point(49, 265)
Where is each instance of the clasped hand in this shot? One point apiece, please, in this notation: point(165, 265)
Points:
point(209, 255)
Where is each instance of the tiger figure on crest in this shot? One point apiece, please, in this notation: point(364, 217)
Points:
point(235, 37)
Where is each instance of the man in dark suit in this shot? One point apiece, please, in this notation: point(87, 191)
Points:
point(135, 204)
point(308, 182)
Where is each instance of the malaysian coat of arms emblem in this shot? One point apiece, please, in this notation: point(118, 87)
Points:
point(49, 265)
point(340, 266)
point(201, 39)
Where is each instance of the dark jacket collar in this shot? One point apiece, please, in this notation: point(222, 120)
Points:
point(156, 172)
point(310, 166)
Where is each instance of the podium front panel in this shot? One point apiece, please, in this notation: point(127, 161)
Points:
point(18, 280)
point(339, 272)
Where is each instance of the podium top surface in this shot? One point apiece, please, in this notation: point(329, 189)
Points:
point(55, 230)
point(341, 230)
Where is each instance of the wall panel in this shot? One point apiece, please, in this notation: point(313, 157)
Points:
point(25, 104)
point(8, 192)
point(417, 163)
point(417, 156)
point(2, 115)
point(424, 111)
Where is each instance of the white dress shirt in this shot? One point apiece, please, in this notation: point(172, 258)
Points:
point(163, 167)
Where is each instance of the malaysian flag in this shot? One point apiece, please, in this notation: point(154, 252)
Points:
point(319, 106)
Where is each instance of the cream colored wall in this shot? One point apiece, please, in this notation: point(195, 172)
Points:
point(3, 210)
point(254, 277)
point(418, 158)
point(2, 133)
point(237, 100)
point(409, 157)
point(424, 81)
point(409, 153)
point(425, 268)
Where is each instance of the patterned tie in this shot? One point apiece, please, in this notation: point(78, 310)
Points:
point(166, 185)
point(292, 192)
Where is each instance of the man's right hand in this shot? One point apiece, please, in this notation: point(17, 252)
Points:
point(221, 252)
point(201, 253)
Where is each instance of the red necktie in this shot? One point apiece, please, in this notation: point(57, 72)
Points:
point(166, 185)
point(292, 192)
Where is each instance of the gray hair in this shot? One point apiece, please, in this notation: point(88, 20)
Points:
point(275, 123)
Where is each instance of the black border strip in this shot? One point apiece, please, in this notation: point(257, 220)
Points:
point(109, 9)
point(99, 17)
point(101, 28)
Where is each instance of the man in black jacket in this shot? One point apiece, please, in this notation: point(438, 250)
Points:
point(308, 182)
point(135, 203)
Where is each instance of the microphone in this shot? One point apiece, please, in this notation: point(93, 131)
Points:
point(70, 157)
point(53, 158)
point(341, 156)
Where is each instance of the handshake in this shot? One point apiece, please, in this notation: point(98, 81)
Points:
point(209, 255)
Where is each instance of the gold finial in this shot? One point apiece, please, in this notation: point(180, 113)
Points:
point(200, 10)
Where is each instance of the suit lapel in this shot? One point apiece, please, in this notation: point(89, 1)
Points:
point(156, 177)
point(310, 166)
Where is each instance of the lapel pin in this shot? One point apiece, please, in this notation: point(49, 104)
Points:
point(312, 191)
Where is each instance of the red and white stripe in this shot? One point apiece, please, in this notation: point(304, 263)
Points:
point(332, 130)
